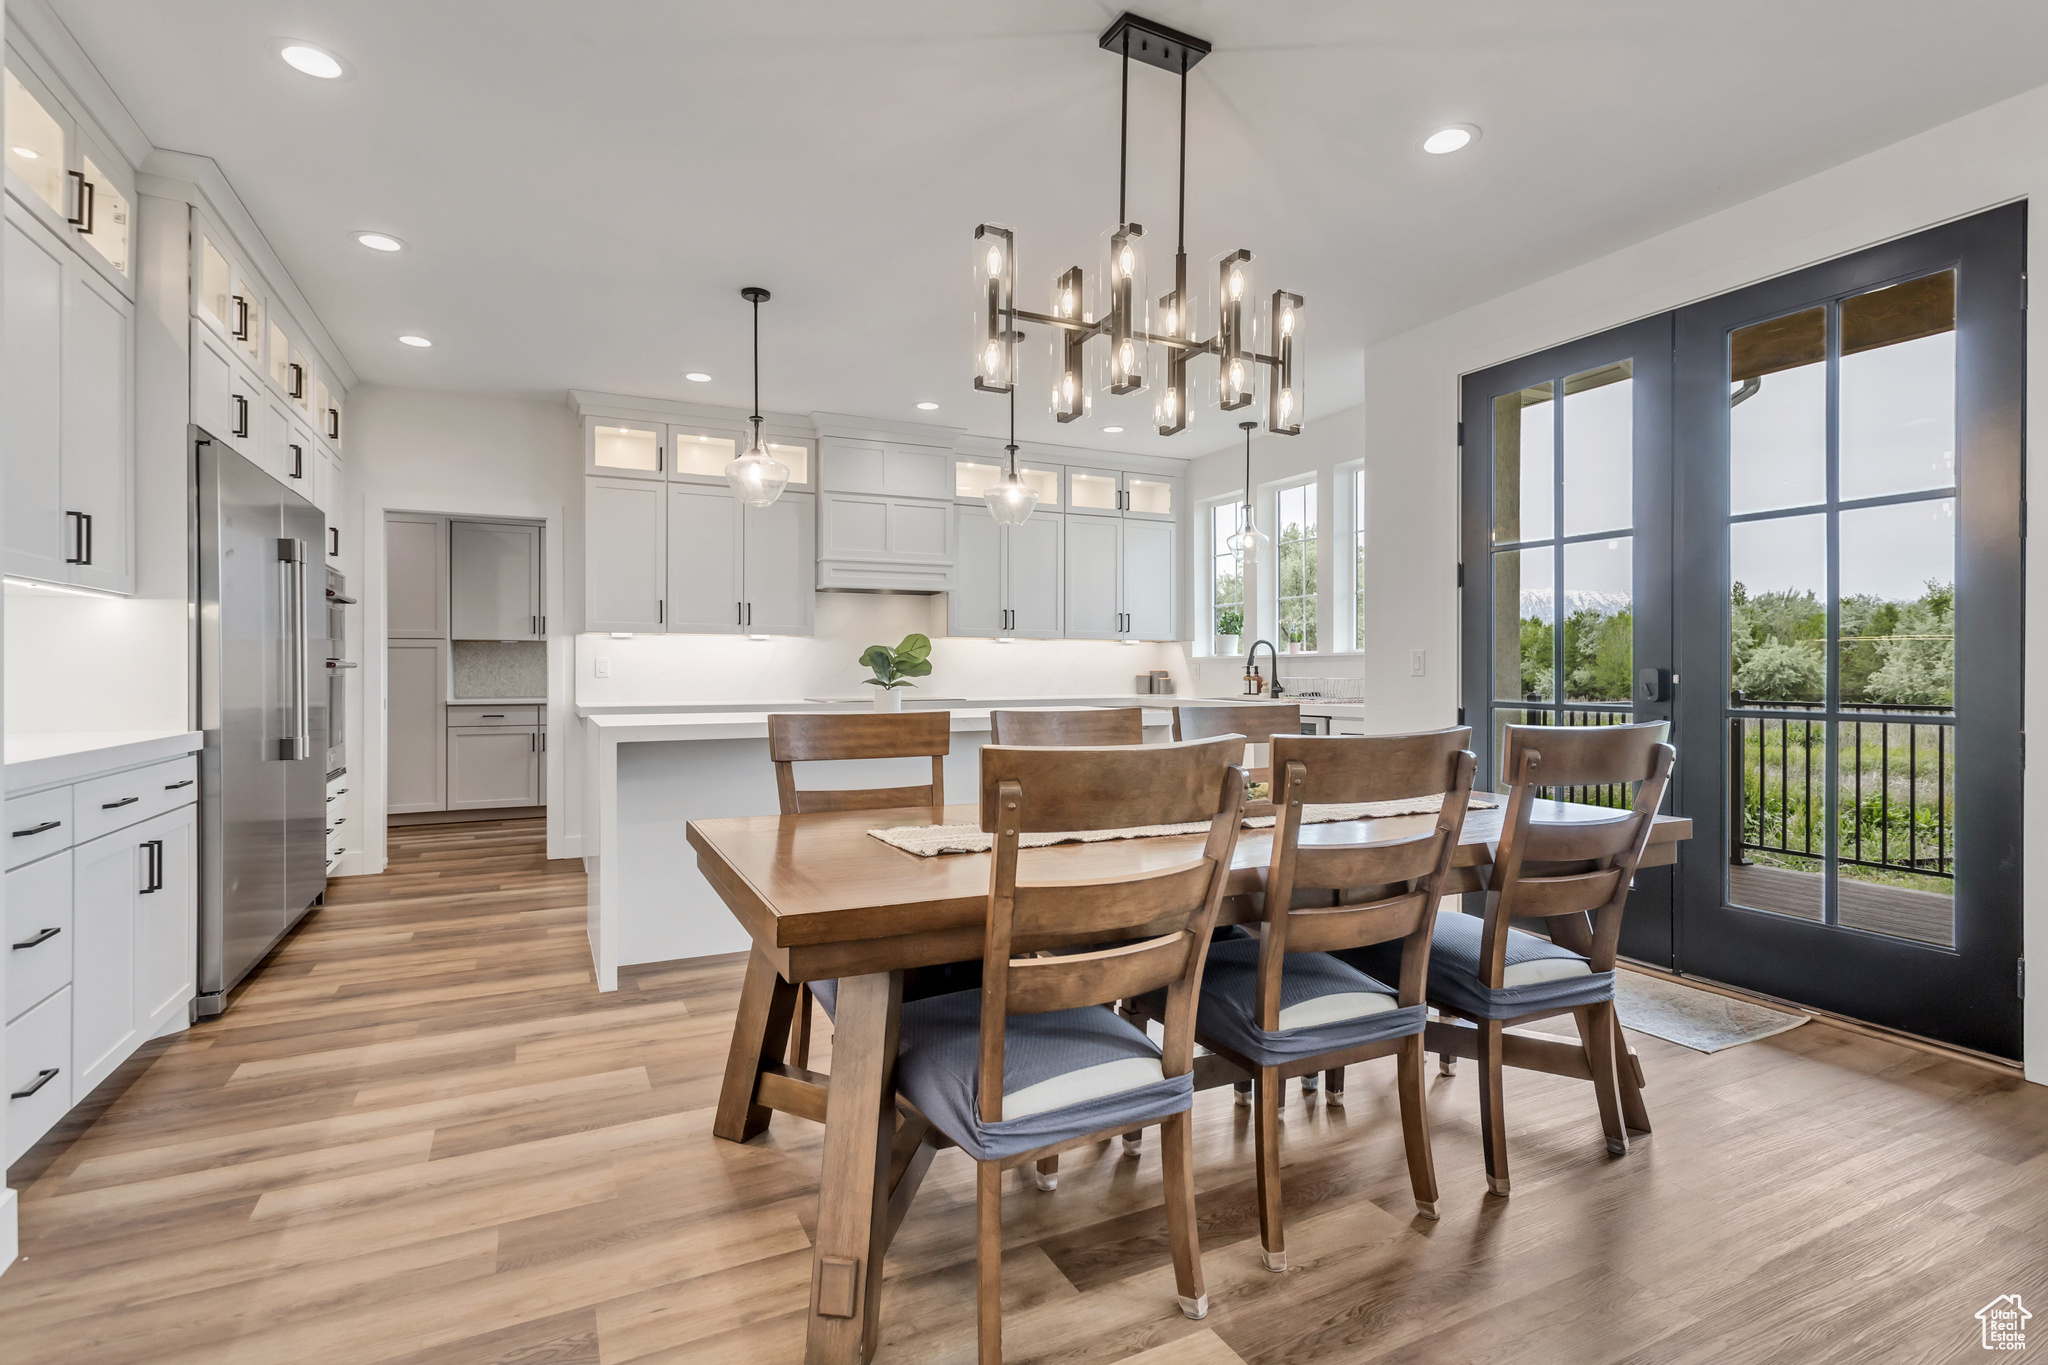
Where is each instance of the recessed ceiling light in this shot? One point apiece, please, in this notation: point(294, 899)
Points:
point(1451, 139)
point(1112, 430)
point(927, 407)
point(380, 241)
point(311, 60)
point(27, 152)
point(411, 340)
point(698, 377)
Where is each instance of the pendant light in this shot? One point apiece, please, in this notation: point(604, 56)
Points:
point(1010, 500)
point(757, 478)
point(1250, 542)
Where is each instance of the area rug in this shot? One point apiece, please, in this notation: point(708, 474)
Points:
point(1701, 1020)
point(928, 841)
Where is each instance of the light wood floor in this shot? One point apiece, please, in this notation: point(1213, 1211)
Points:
point(421, 1136)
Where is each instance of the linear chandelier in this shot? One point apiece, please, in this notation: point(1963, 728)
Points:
point(1149, 342)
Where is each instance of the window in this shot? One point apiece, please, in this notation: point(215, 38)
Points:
point(1295, 548)
point(1226, 580)
point(1354, 479)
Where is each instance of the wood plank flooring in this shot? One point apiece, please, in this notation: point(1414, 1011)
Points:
point(420, 1136)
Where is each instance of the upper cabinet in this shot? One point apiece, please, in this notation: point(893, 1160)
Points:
point(1122, 493)
point(974, 475)
point(685, 452)
point(494, 573)
point(885, 515)
point(66, 175)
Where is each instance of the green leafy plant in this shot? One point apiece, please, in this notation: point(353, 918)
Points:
point(1229, 621)
point(896, 667)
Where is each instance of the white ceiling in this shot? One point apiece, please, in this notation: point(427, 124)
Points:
point(585, 187)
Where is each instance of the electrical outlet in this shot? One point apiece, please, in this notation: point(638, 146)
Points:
point(1418, 663)
point(601, 666)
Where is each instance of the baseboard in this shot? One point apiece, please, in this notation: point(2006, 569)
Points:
point(10, 1233)
point(463, 817)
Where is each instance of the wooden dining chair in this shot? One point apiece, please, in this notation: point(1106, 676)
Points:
point(1257, 723)
point(807, 738)
point(1574, 875)
point(1283, 1004)
point(1094, 725)
point(1031, 1065)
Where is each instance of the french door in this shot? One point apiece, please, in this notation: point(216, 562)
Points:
point(1824, 572)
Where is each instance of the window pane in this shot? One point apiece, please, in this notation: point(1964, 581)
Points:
point(1898, 576)
point(1778, 426)
point(1523, 598)
point(1296, 554)
point(1898, 394)
point(1524, 466)
point(1226, 585)
point(1599, 623)
point(625, 448)
point(696, 453)
point(1777, 864)
point(35, 144)
point(1599, 450)
point(1895, 857)
point(1777, 609)
point(1358, 559)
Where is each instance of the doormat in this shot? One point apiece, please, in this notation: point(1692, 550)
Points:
point(1701, 1020)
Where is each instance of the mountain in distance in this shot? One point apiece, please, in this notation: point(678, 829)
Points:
point(1536, 602)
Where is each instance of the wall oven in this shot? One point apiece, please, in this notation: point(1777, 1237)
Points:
point(337, 671)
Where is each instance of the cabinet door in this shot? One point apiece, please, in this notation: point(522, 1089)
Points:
point(1093, 556)
point(97, 450)
point(1148, 580)
point(977, 604)
point(704, 563)
point(416, 692)
point(1150, 497)
point(39, 537)
point(166, 920)
point(106, 875)
point(493, 581)
point(625, 554)
point(779, 572)
point(326, 478)
point(499, 766)
point(38, 932)
point(1036, 555)
point(1095, 490)
point(416, 576)
point(617, 449)
point(213, 384)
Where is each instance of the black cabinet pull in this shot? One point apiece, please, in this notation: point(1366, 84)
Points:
point(241, 416)
point(173, 786)
point(155, 876)
point(333, 541)
point(298, 463)
point(124, 801)
point(43, 828)
point(334, 424)
point(241, 328)
point(48, 1073)
point(82, 220)
point(298, 379)
point(44, 937)
point(81, 538)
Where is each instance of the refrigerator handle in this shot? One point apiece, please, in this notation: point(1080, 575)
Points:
point(291, 555)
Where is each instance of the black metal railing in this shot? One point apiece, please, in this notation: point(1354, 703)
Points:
point(1894, 784)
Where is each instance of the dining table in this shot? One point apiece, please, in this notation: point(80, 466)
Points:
point(823, 899)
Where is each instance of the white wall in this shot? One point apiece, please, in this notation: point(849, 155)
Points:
point(1990, 157)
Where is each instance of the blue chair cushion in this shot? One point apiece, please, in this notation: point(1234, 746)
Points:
point(1540, 975)
point(1066, 1074)
point(1325, 1006)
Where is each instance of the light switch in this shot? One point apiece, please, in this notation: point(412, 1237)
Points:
point(1418, 663)
point(601, 666)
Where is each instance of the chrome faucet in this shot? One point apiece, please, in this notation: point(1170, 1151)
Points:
point(1273, 692)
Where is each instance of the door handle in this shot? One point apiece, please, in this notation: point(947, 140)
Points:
point(116, 805)
point(43, 828)
point(47, 1074)
point(241, 416)
point(44, 937)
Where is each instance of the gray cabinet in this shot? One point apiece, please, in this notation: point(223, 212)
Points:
point(494, 577)
point(1120, 579)
point(491, 766)
point(625, 554)
point(416, 683)
point(1008, 579)
point(736, 570)
point(416, 576)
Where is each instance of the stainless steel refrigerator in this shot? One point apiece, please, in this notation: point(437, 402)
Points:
point(259, 593)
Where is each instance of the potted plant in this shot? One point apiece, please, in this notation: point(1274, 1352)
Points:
point(1229, 629)
point(894, 668)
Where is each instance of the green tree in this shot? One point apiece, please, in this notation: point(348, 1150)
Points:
point(1778, 670)
point(1536, 661)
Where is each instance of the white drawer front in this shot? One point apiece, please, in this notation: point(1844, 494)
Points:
point(493, 715)
point(38, 1044)
point(105, 804)
point(39, 825)
point(38, 932)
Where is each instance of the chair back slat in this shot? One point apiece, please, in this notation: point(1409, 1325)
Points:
point(1170, 911)
point(1093, 726)
point(1039, 984)
point(796, 739)
point(1398, 883)
point(1575, 874)
point(1258, 724)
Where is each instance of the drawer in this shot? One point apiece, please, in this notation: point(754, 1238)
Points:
point(38, 825)
point(105, 804)
point(38, 1043)
point(38, 932)
point(493, 715)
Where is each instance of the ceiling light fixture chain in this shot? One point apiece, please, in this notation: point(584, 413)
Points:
point(1250, 342)
point(757, 477)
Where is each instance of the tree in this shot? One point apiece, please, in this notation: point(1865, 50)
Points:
point(1782, 671)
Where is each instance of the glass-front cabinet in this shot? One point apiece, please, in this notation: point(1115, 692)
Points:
point(684, 452)
point(974, 475)
point(1119, 492)
point(64, 173)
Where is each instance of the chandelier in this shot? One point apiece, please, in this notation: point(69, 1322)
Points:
point(1149, 341)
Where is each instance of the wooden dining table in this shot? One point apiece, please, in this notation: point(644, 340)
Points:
point(823, 899)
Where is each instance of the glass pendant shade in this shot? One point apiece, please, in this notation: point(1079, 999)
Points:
point(757, 478)
point(1010, 500)
point(1249, 542)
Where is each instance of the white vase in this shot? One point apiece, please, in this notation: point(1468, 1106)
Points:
point(888, 699)
point(1227, 644)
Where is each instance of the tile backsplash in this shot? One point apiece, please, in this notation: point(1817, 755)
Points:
point(495, 670)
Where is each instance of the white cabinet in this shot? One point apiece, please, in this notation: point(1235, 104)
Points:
point(39, 933)
point(107, 873)
point(1008, 578)
point(734, 569)
point(493, 766)
point(326, 481)
point(166, 948)
point(38, 1071)
point(416, 757)
point(275, 451)
point(494, 572)
point(875, 541)
point(64, 171)
point(1120, 579)
point(416, 576)
point(69, 413)
point(625, 554)
point(1148, 580)
point(890, 469)
point(779, 551)
point(1123, 493)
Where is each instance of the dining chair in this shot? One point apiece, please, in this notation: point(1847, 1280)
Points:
point(1574, 875)
point(1282, 1004)
point(806, 738)
point(1032, 1064)
point(1094, 725)
point(1257, 723)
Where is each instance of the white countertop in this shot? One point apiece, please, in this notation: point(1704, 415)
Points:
point(648, 726)
point(34, 761)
